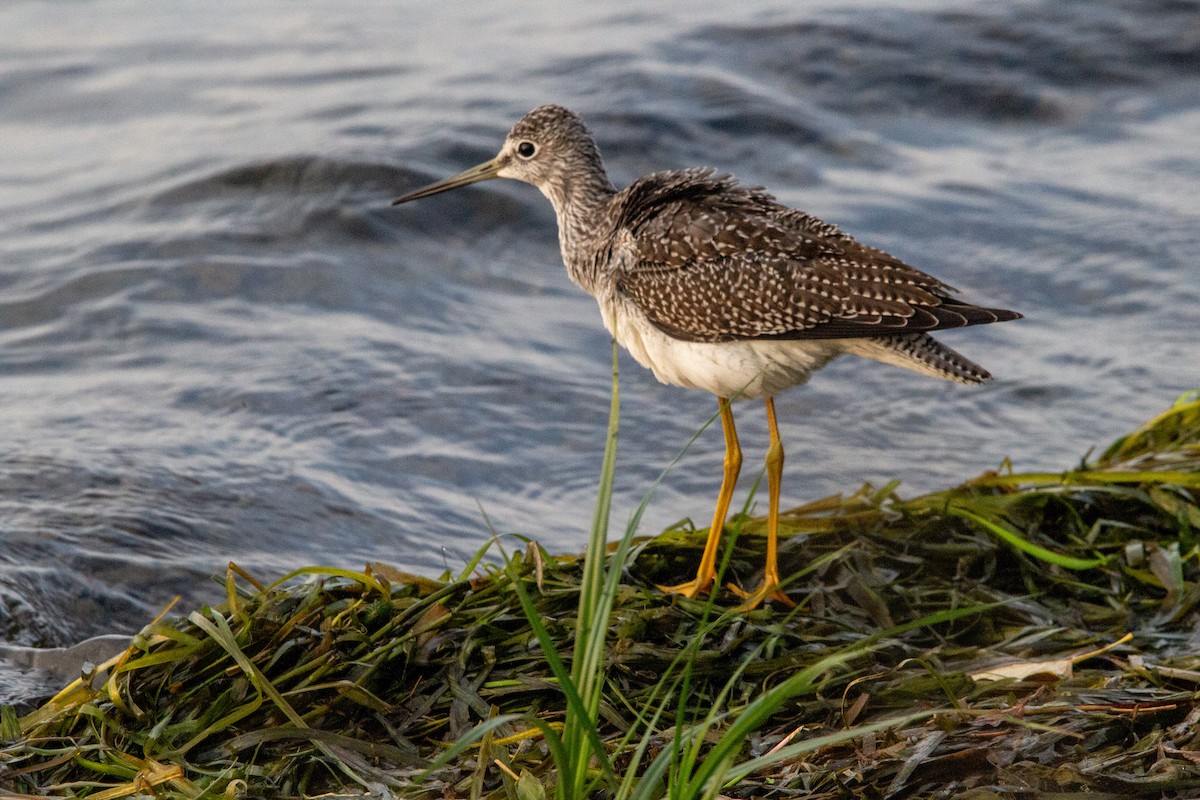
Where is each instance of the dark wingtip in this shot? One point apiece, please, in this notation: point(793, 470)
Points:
point(974, 315)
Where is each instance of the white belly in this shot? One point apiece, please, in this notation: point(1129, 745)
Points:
point(726, 369)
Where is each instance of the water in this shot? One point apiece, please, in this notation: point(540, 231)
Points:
point(218, 341)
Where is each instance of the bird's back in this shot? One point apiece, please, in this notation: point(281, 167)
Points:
point(706, 259)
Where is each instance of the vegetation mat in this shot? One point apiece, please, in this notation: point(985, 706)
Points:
point(1020, 635)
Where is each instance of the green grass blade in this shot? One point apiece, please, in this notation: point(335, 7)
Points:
point(790, 751)
point(219, 630)
point(595, 607)
point(479, 731)
point(575, 702)
point(337, 572)
point(756, 714)
point(1026, 546)
point(598, 538)
point(1081, 479)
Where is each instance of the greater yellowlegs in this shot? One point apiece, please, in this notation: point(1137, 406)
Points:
point(716, 286)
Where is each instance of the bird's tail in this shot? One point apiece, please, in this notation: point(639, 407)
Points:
point(919, 352)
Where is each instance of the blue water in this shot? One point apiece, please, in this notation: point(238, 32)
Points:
point(219, 342)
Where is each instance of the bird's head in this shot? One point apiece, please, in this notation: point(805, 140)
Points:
point(549, 148)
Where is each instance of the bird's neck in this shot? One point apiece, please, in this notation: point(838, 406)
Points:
point(581, 203)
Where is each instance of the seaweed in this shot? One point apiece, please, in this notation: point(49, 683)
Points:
point(1017, 635)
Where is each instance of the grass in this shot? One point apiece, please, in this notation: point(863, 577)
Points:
point(1015, 636)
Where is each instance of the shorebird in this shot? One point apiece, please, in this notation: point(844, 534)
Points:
point(717, 286)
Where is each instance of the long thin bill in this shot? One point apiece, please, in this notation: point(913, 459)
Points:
point(483, 172)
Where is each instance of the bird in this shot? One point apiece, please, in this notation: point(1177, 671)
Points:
point(715, 285)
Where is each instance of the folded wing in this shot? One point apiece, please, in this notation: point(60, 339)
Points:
point(708, 260)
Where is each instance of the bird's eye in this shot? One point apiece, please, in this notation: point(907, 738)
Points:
point(526, 149)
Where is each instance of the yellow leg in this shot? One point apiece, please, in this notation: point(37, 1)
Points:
point(770, 585)
point(706, 574)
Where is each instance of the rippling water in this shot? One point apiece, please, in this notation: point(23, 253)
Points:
point(218, 341)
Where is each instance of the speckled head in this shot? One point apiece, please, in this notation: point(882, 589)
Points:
point(550, 148)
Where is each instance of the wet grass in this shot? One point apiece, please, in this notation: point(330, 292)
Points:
point(1016, 636)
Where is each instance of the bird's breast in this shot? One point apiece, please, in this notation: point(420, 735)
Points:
point(749, 368)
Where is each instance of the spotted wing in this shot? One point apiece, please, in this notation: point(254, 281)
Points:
point(709, 261)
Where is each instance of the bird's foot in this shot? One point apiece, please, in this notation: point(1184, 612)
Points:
point(691, 588)
point(769, 590)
